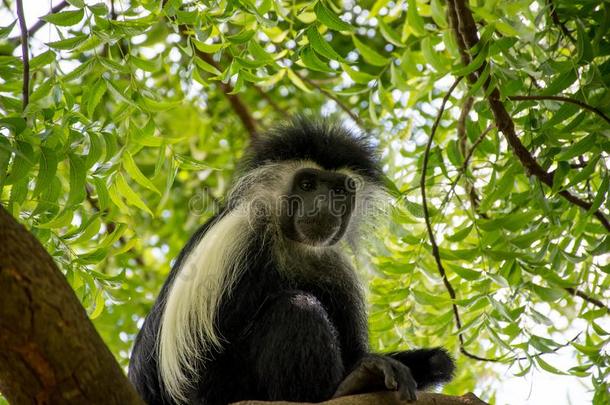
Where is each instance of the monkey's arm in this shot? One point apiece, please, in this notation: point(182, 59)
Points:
point(377, 372)
point(403, 372)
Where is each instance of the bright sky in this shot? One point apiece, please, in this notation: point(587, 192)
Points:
point(536, 388)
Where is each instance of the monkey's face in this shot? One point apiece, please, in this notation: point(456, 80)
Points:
point(317, 207)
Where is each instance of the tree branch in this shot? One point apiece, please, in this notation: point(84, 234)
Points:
point(25, 54)
point(564, 99)
point(586, 297)
point(557, 21)
point(271, 102)
point(39, 24)
point(467, 37)
point(242, 111)
point(386, 398)
point(50, 351)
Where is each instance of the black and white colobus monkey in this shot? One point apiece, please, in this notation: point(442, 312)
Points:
point(262, 303)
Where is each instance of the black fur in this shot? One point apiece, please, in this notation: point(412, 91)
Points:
point(287, 337)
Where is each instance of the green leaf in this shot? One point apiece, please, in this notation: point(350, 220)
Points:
point(99, 304)
point(78, 175)
point(99, 9)
point(562, 82)
point(259, 53)
point(242, 37)
point(548, 294)
point(296, 80)
point(96, 96)
point(23, 162)
point(208, 48)
point(130, 166)
point(389, 34)
point(65, 18)
point(370, 56)
point(438, 13)
point(579, 148)
point(601, 194)
point(466, 274)
point(330, 19)
point(320, 45)
point(47, 168)
point(96, 148)
point(414, 20)
point(103, 198)
point(459, 235)
point(206, 66)
point(43, 59)
point(5, 157)
point(547, 367)
point(356, 75)
point(69, 43)
point(130, 196)
point(77, 3)
point(476, 63)
point(6, 31)
point(584, 51)
point(311, 61)
point(432, 56)
point(148, 65)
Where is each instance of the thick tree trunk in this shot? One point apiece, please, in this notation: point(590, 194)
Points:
point(386, 398)
point(50, 353)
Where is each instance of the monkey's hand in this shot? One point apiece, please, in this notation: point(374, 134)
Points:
point(376, 373)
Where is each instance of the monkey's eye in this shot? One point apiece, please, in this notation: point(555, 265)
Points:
point(307, 185)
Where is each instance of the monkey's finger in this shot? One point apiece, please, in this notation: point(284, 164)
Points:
point(389, 374)
point(407, 386)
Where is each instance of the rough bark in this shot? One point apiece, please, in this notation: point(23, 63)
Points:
point(386, 398)
point(50, 352)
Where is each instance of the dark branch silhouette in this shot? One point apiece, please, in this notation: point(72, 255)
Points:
point(564, 99)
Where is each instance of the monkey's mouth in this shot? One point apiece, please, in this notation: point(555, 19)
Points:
point(317, 231)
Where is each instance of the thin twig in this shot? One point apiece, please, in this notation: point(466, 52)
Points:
point(242, 111)
point(39, 24)
point(462, 169)
point(466, 32)
point(328, 94)
point(555, 350)
point(584, 296)
point(557, 21)
point(25, 53)
point(435, 250)
point(564, 99)
point(462, 139)
point(271, 102)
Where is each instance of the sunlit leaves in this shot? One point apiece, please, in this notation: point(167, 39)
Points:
point(320, 45)
point(65, 18)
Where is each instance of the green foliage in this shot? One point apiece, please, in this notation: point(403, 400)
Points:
point(135, 123)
